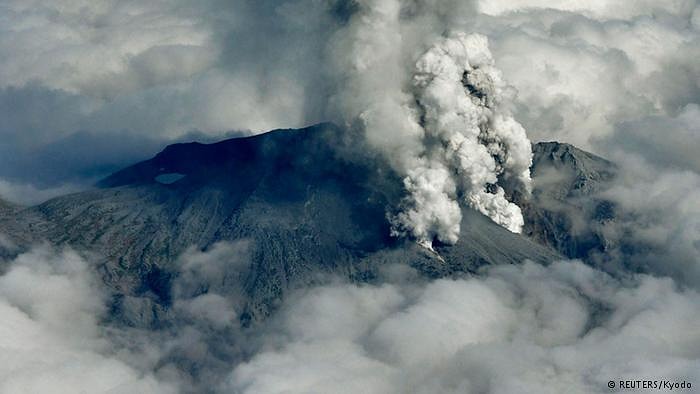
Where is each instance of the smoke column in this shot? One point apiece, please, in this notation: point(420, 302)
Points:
point(438, 117)
point(458, 92)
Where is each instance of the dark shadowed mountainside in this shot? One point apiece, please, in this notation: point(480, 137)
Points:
point(6, 208)
point(565, 211)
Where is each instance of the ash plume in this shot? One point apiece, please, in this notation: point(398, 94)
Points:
point(439, 117)
point(459, 93)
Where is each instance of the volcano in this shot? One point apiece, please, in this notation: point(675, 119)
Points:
point(307, 203)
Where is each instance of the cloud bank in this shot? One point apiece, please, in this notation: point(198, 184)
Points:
point(60, 335)
point(51, 338)
point(528, 328)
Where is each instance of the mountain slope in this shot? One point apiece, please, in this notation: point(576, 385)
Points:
point(7, 244)
point(306, 202)
point(6, 208)
point(565, 211)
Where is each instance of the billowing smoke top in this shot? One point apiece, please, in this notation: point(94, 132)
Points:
point(440, 120)
point(471, 146)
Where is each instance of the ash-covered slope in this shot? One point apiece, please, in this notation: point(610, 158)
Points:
point(565, 210)
point(6, 208)
point(7, 244)
point(306, 202)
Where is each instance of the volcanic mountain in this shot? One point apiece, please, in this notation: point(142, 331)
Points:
point(306, 203)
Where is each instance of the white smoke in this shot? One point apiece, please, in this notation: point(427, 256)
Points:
point(369, 52)
point(439, 118)
point(459, 92)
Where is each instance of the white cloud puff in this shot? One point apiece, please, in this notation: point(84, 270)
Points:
point(29, 194)
point(598, 8)
point(438, 115)
point(50, 339)
point(582, 67)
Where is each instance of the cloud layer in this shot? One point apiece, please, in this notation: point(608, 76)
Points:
point(528, 329)
point(51, 340)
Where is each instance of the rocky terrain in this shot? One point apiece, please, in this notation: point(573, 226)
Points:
point(565, 211)
point(305, 203)
point(6, 208)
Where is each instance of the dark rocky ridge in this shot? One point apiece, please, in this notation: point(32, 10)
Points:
point(7, 244)
point(6, 208)
point(565, 211)
point(309, 202)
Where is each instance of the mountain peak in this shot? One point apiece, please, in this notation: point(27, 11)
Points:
point(577, 171)
point(566, 210)
point(196, 162)
point(6, 207)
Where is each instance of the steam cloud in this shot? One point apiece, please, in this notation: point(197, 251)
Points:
point(439, 119)
point(459, 97)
